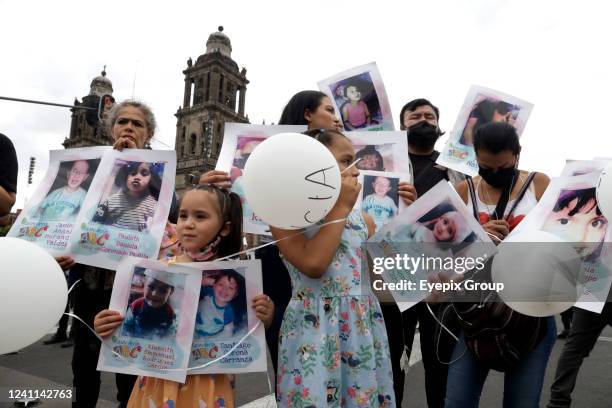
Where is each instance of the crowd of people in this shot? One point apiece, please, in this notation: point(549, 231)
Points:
point(331, 342)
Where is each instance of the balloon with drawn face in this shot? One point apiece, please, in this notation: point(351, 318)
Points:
point(291, 181)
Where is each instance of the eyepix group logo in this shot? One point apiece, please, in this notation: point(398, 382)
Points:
point(97, 238)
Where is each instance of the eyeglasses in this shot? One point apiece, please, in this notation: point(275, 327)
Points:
point(77, 173)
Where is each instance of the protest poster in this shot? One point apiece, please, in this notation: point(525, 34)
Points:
point(360, 98)
point(568, 209)
point(225, 319)
point(159, 305)
point(383, 151)
point(49, 216)
point(126, 208)
point(481, 106)
point(239, 140)
point(440, 230)
point(379, 195)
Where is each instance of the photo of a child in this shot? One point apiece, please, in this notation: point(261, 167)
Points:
point(360, 106)
point(370, 158)
point(244, 147)
point(222, 308)
point(130, 199)
point(380, 198)
point(149, 313)
point(485, 110)
point(576, 218)
point(68, 191)
point(443, 223)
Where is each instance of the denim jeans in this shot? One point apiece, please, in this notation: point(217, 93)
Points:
point(522, 385)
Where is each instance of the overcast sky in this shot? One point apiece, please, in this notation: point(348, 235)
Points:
point(555, 54)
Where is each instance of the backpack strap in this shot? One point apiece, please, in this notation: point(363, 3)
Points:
point(472, 191)
point(522, 192)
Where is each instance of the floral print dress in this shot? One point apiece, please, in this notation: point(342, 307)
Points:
point(333, 349)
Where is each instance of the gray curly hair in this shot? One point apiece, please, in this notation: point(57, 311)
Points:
point(144, 108)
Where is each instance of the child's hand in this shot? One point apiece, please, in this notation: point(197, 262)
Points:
point(349, 191)
point(106, 322)
point(407, 192)
point(219, 178)
point(264, 309)
point(65, 262)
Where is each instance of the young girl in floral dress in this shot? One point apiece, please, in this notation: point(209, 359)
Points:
point(333, 348)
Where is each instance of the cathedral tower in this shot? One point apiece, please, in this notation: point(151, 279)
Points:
point(215, 91)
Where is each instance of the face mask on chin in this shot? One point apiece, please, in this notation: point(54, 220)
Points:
point(423, 135)
point(499, 178)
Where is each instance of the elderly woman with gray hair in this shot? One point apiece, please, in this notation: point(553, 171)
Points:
point(131, 124)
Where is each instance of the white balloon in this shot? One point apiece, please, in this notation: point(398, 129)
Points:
point(604, 192)
point(34, 294)
point(291, 180)
point(539, 280)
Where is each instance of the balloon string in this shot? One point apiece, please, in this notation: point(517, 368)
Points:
point(278, 240)
point(73, 285)
point(94, 332)
point(352, 164)
point(494, 236)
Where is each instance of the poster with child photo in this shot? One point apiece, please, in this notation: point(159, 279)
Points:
point(568, 209)
point(384, 151)
point(360, 98)
point(438, 225)
point(239, 140)
point(481, 106)
point(159, 305)
point(379, 196)
point(49, 216)
point(127, 207)
point(225, 320)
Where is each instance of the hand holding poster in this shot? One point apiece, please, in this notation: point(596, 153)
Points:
point(159, 303)
point(481, 106)
point(49, 217)
point(126, 208)
point(360, 98)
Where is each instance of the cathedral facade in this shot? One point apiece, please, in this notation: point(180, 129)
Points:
point(215, 93)
point(82, 134)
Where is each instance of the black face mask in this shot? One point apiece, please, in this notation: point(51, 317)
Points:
point(499, 178)
point(423, 135)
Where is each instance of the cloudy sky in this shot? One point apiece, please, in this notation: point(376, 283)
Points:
point(554, 54)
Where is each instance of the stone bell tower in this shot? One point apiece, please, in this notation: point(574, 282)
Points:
point(215, 92)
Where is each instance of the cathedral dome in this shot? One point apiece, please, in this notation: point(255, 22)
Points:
point(101, 85)
point(219, 42)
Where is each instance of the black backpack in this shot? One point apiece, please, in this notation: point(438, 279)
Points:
point(494, 333)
